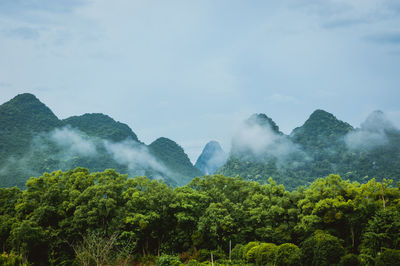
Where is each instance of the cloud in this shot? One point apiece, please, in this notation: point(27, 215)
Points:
point(67, 148)
point(134, 155)
point(365, 139)
point(384, 38)
point(73, 141)
point(372, 133)
point(25, 33)
point(20, 7)
point(345, 22)
point(261, 140)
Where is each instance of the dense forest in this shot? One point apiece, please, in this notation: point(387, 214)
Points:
point(33, 141)
point(105, 218)
point(321, 146)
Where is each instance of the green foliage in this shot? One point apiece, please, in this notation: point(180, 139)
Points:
point(321, 249)
point(12, 259)
point(287, 254)
point(250, 257)
point(266, 253)
point(101, 126)
point(78, 216)
point(318, 149)
point(174, 157)
point(28, 147)
point(383, 231)
point(350, 260)
point(237, 252)
point(168, 260)
point(388, 257)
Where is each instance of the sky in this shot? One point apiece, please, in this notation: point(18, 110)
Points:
point(193, 70)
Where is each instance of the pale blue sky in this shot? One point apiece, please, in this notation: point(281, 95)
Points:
point(192, 70)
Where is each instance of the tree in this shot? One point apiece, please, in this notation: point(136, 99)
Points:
point(321, 249)
point(288, 254)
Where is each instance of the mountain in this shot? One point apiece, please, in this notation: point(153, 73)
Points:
point(33, 141)
point(321, 146)
point(320, 130)
point(174, 157)
point(263, 120)
point(101, 126)
point(21, 118)
point(212, 158)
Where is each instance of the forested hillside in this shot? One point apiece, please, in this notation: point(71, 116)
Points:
point(321, 146)
point(65, 218)
point(33, 141)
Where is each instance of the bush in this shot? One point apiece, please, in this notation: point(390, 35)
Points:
point(203, 255)
point(350, 260)
point(248, 247)
point(321, 249)
point(288, 254)
point(168, 260)
point(388, 257)
point(237, 252)
point(11, 259)
point(266, 254)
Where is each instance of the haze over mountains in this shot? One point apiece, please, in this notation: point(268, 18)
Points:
point(321, 146)
point(33, 141)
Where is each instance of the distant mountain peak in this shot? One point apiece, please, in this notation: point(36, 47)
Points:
point(29, 109)
point(212, 158)
point(263, 120)
point(101, 125)
point(25, 97)
point(174, 157)
point(377, 121)
point(320, 127)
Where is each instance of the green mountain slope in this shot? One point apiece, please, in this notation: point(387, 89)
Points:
point(20, 119)
point(321, 146)
point(101, 126)
point(33, 140)
point(174, 157)
point(321, 130)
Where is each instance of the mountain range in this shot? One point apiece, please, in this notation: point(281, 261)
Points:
point(33, 141)
point(321, 146)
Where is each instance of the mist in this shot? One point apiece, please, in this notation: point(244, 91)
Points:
point(261, 140)
point(67, 148)
point(72, 141)
point(372, 132)
point(134, 155)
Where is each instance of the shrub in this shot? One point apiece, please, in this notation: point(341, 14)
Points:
point(321, 249)
point(168, 260)
point(248, 247)
point(237, 252)
point(11, 259)
point(350, 260)
point(288, 254)
point(266, 254)
point(388, 257)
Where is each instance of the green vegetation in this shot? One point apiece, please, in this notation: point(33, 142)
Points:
point(33, 140)
point(174, 157)
point(323, 145)
point(105, 218)
point(101, 126)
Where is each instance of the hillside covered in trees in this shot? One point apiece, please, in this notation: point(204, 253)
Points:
point(321, 146)
point(104, 218)
point(33, 141)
